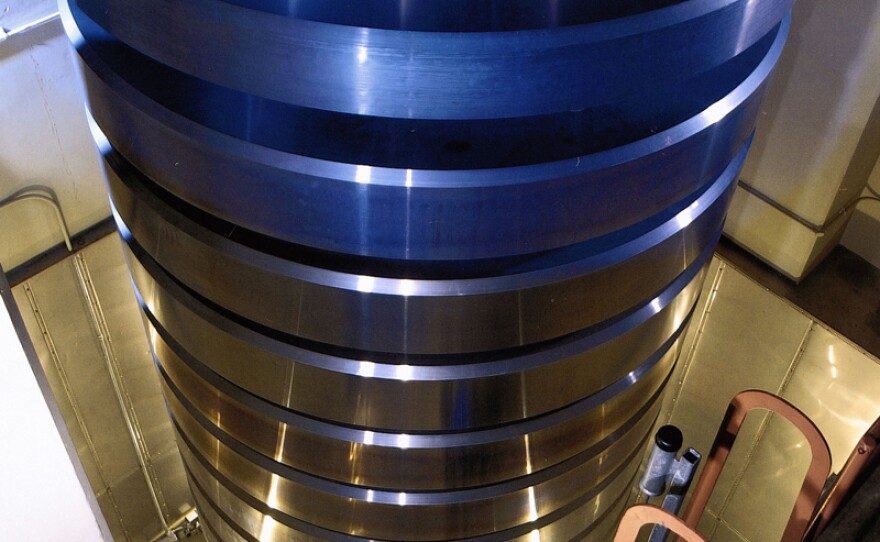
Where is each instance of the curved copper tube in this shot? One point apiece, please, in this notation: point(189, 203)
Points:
point(645, 514)
point(820, 466)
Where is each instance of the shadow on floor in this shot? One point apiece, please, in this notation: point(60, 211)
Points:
point(843, 291)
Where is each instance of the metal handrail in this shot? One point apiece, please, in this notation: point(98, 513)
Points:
point(45, 194)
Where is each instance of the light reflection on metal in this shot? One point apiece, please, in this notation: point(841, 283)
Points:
point(267, 530)
point(402, 270)
point(364, 175)
point(272, 498)
point(367, 369)
point(366, 284)
point(101, 141)
point(655, 304)
point(403, 373)
point(406, 287)
point(831, 360)
point(533, 507)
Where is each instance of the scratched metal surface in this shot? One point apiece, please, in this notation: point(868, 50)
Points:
point(419, 283)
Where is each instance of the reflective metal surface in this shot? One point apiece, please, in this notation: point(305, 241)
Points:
point(61, 319)
point(438, 313)
point(425, 75)
point(389, 395)
point(411, 276)
point(410, 212)
point(778, 348)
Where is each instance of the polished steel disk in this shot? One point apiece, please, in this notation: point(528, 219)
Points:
point(419, 270)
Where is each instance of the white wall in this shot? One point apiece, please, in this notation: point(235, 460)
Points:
point(44, 137)
point(818, 136)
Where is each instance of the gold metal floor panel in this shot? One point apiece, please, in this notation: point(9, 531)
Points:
point(743, 337)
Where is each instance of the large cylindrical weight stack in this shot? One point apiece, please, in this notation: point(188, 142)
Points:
point(419, 270)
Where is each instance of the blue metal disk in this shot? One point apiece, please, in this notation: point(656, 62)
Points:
point(419, 270)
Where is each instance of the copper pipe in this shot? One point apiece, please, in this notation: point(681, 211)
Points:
point(820, 466)
point(645, 514)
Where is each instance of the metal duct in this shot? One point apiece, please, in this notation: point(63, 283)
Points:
point(418, 270)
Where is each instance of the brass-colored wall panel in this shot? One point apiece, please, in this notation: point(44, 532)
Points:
point(745, 337)
point(57, 315)
point(768, 481)
point(836, 384)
